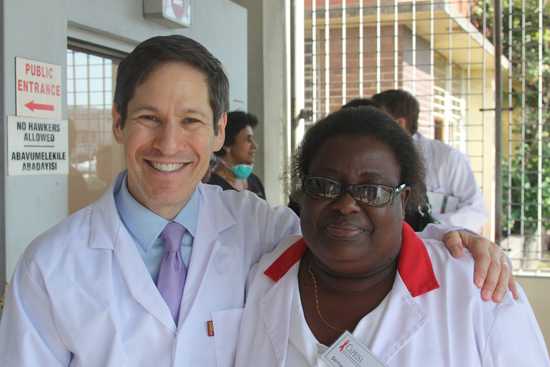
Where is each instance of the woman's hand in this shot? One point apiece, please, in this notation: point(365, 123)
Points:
point(492, 272)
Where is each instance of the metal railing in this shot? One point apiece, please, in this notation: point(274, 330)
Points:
point(448, 54)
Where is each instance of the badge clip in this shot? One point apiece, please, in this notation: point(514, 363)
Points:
point(347, 351)
point(210, 328)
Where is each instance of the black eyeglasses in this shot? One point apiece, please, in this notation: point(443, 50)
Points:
point(371, 195)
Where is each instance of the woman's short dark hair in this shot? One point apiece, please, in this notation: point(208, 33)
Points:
point(365, 121)
point(236, 121)
point(156, 51)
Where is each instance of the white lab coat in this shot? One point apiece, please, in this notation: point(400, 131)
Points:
point(448, 172)
point(447, 326)
point(82, 296)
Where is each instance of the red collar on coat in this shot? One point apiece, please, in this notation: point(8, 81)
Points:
point(414, 264)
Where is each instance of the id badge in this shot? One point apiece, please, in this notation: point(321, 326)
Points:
point(349, 352)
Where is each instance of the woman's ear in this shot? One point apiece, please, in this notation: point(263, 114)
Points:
point(404, 196)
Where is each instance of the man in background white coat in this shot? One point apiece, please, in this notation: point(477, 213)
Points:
point(453, 193)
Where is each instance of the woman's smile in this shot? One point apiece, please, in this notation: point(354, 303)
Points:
point(343, 230)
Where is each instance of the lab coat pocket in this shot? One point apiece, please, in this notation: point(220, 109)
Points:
point(226, 325)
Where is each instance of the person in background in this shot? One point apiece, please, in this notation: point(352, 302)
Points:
point(235, 161)
point(360, 288)
point(454, 196)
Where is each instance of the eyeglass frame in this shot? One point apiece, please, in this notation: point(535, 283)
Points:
point(345, 188)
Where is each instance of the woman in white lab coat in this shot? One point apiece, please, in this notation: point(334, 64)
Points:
point(360, 288)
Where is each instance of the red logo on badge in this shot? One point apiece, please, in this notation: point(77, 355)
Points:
point(343, 345)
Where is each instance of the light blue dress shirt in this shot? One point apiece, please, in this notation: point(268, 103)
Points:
point(146, 227)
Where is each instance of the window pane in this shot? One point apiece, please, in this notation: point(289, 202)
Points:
point(96, 100)
point(80, 72)
point(96, 71)
point(96, 85)
point(81, 99)
point(95, 158)
point(81, 85)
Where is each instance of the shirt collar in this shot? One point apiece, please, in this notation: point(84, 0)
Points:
point(145, 225)
point(414, 263)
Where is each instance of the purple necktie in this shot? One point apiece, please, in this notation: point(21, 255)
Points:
point(172, 271)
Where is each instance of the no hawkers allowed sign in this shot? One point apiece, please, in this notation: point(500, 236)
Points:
point(37, 147)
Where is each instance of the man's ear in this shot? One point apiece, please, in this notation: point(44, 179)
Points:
point(117, 125)
point(219, 137)
point(401, 121)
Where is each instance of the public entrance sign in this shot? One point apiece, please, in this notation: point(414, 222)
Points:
point(38, 89)
point(37, 146)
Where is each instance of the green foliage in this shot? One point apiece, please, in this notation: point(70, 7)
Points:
point(520, 174)
point(520, 185)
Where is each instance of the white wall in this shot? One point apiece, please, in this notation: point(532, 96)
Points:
point(220, 25)
point(35, 30)
point(269, 90)
point(38, 30)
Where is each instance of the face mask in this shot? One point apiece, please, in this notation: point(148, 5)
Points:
point(242, 171)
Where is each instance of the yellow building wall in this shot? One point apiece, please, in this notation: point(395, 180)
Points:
point(480, 143)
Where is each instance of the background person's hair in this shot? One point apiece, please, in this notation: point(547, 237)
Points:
point(236, 121)
point(371, 122)
point(358, 102)
point(400, 104)
point(150, 54)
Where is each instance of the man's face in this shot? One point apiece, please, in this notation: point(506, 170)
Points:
point(168, 137)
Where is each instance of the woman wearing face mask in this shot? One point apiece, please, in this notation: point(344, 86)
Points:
point(236, 158)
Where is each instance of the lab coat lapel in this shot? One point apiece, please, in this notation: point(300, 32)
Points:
point(275, 308)
point(214, 218)
point(139, 281)
point(403, 318)
point(108, 232)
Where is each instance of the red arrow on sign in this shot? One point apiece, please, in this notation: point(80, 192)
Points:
point(39, 106)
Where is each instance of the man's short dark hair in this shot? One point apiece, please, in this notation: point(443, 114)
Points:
point(236, 121)
point(365, 121)
point(358, 102)
point(156, 51)
point(400, 104)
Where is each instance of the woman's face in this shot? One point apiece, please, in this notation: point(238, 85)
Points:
point(243, 150)
point(347, 236)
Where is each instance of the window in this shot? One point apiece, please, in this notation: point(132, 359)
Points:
point(95, 158)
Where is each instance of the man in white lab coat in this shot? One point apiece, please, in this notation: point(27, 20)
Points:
point(453, 193)
point(154, 273)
